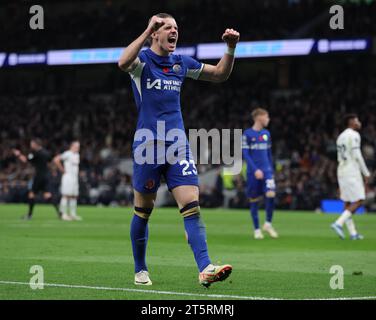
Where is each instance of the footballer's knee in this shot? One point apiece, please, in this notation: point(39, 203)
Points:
point(184, 195)
point(270, 194)
point(354, 206)
point(143, 213)
point(143, 204)
point(142, 200)
point(254, 200)
point(47, 195)
point(191, 208)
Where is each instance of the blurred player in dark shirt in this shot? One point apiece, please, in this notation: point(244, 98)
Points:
point(39, 158)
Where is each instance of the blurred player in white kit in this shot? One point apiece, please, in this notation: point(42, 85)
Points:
point(68, 163)
point(352, 175)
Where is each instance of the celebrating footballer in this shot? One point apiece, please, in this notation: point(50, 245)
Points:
point(149, 69)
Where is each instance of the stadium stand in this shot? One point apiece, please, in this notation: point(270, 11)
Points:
point(106, 23)
point(95, 105)
point(104, 123)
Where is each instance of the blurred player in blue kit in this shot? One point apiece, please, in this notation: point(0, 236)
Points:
point(257, 153)
point(157, 76)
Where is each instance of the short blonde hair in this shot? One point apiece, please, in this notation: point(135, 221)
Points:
point(162, 15)
point(258, 112)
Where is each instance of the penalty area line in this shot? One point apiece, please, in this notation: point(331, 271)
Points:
point(173, 293)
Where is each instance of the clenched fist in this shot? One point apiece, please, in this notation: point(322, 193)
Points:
point(154, 24)
point(231, 37)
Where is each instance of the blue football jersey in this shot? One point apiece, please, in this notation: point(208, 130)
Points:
point(256, 147)
point(156, 84)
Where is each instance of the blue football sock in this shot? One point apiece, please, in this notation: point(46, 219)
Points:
point(254, 215)
point(196, 234)
point(139, 237)
point(269, 208)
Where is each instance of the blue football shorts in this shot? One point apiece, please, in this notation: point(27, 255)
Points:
point(257, 188)
point(177, 167)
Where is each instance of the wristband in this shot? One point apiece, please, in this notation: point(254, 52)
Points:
point(230, 51)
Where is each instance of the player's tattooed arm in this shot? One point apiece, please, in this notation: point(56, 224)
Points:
point(18, 154)
point(57, 162)
point(129, 58)
point(223, 69)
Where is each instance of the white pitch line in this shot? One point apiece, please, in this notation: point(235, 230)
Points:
point(187, 294)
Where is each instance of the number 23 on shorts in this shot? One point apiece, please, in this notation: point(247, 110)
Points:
point(186, 166)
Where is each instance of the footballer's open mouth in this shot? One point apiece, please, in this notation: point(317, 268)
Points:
point(172, 39)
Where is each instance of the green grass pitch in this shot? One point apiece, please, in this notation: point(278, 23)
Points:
point(92, 259)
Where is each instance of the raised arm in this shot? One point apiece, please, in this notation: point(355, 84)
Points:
point(223, 69)
point(128, 59)
point(17, 153)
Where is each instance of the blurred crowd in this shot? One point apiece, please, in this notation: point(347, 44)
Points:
point(304, 126)
point(108, 23)
point(96, 106)
point(57, 120)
